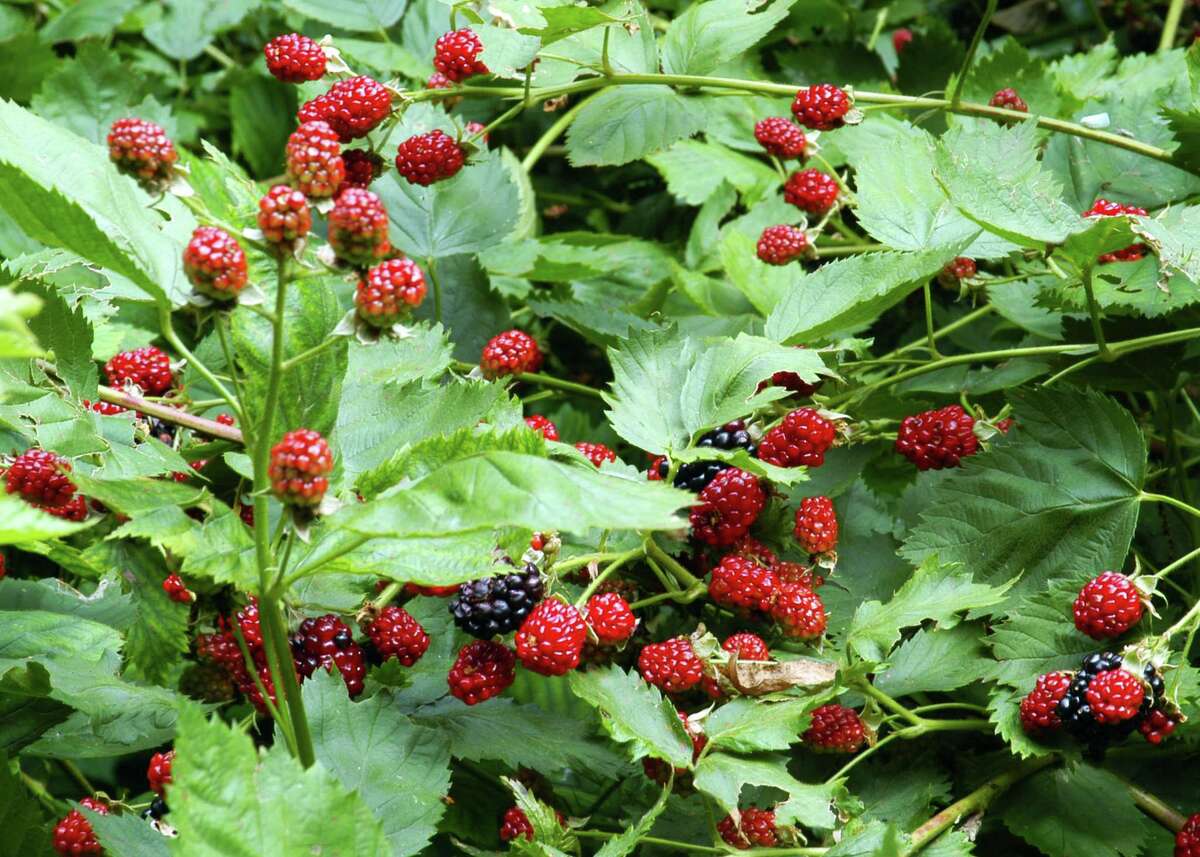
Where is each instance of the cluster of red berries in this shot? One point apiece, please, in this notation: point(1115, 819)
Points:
point(1008, 99)
point(351, 107)
point(512, 352)
point(748, 582)
point(801, 439)
point(456, 55)
point(142, 149)
point(327, 642)
point(752, 828)
point(936, 439)
point(177, 590)
point(283, 216)
point(215, 264)
point(1107, 208)
point(148, 369)
point(389, 291)
point(74, 836)
point(314, 160)
point(427, 158)
point(299, 469)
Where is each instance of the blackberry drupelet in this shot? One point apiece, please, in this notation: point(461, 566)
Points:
point(695, 475)
point(497, 605)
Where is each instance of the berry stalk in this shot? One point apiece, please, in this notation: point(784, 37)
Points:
point(176, 416)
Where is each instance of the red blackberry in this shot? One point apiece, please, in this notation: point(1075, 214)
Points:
point(780, 137)
point(609, 617)
point(515, 824)
point(314, 160)
point(779, 245)
point(757, 828)
point(39, 476)
point(513, 352)
point(835, 729)
point(283, 215)
point(226, 419)
point(300, 466)
point(389, 292)
point(158, 773)
point(248, 624)
point(551, 638)
point(596, 453)
point(799, 611)
point(492, 606)
point(328, 642)
point(740, 582)
point(471, 129)
point(660, 771)
point(749, 647)
point(358, 227)
point(752, 548)
point(177, 590)
point(74, 835)
point(1106, 208)
point(148, 369)
point(540, 424)
point(672, 666)
point(936, 439)
point(1108, 606)
point(294, 58)
point(728, 506)
point(794, 572)
point(901, 39)
point(1157, 726)
point(141, 149)
point(959, 269)
point(215, 263)
point(811, 191)
point(362, 167)
point(1008, 99)
point(1187, 840)
point(74, 509)
point(396, 634)
point(695, 475)
point(427, 158)
point(801, 438)
point(816, 525)
point(482, 670)
point(821, 107)
point(108, 409)
point(352, 107)
point(456, 55)
point(1115, 696)
point(1039, 708)
point(3, 568)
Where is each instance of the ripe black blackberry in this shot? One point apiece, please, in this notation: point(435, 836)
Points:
point(1077, 714)
point(497, 605)
point(156, 810)
point(695, 475)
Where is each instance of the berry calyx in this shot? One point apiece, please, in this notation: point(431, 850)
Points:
point(1115, 695)
point(835, 729)
point(801, 438)
point(551, 638)
point(73, 835)
point(389, 291)
point(811, 191)
point(148, 369)
point(141, 149)
point(1039, 708)
point(283, 215)
point(757, 828)
point(294, 58)
point(456, 55)
point(300, 466)
point(816, 525)
point(483, 669)
point(396, 634)
point(177, 590)
point(799, 611)
point(540, 424)
point(821, 107)
point(609, 617)
point(672, 666)
point(741, 582)
point(779, 245)
point(1008, 99)
point(427, 158)
point(158, 773)
point(936, 439)
point(358, 227)
point(780, 137)
point(215, 263)
point(362, 167)
point(314, 160)
point(1108, 606)
point(728, 506)
point(352, 107)
point(596, 453)
point(40, 477)
point(492, 606)
point(512, 352)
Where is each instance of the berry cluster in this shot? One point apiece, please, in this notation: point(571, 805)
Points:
point(811, 191)
point(933, 440)
point(427, 158)
point(779, 245)
point(389, 291)
point(754, 828)
point(512, 352)
point(215, 263)
point(493, 606)
point(456, 55)
point(74, 835)
point(143, 150)
point(40, 477)
point(294, 58)
point(327, 641)
point(1107, 208)
point(314, 160)
point(300, 466)
point(148, 369)
point(351, 107)
point(358, 227)
point(801, 438)
point(696, 475)
point(283, 216)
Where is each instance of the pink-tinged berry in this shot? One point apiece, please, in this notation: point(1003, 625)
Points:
point(362, 167)
point(74, 836)
point(294, 58)
point(780, 137)
point(326, 641)
point(40, 477)
point(226, 419)
point(1039, 708)
point(396, 634)
point(389, 292)
point(158, 773)
point(314, 160)
point(757, 829)
point(1107, 208)
point(215, 263)
point(540, 424)
point(901, 39)
point(148, 369)
point(821, 107)
point(835, 729)
point(816, 525)
point(512, 352)
point(141, 149)
point(1187, 840)
point(779, 245)
point(596, 453)
point(609, 617)
point(456, 55)
point(811, 191)
point(249, 625)
point(1108, 606)
point(300, 466)
point(1115, 696)
point(728, 506)
point(749, 647)
point(671, 666)
point(801, 438)
point(1157, 726)
point(482, 670)
point(1008, 99)
point(936, 439)
point(283, 215)
point(108, 409)
point(551, 638)
point(427, 158)
point(740, 582)
point(177, 590)
point(799, 611)
point(471, 129)
point(358, 227)
point(352, 107)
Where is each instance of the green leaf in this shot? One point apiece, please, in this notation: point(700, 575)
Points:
point(262, 114)
point(1039, 635)
point(30, 61)
point(86, 94)
point(629, 839)
point(710, 33)
point(1005, 716)
point(748, 725)
point(506, 52)
point(230, 800)
point(363, 16)
point(1174, 235)
point(106, 604)
point(187, 27)
point(935, 661)
point(723, 777)
point(634, 712)
point(21, 523)
point(695, 169)
point(67, 333)
point(1011, 65)
point(21, 817)
point(399, 769)
point(850, 293)
point(16, 339)
point(1059, 494)
point(763, 285)
point(126, 835)
point(627, 123)
point(224, 551)
point(86, 18)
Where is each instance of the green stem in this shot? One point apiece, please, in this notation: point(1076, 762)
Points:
point(1170, 26)
point(563, 566)
point(1183, 560)
point(930, 333)
point(431, 269)
point(552, 133)
point(305, 356)
point(558, 384)
point(220, 56)
point(947, 706)
point(612, 567)
point(498, 121)
point(1094, 313)
point(969, 59)
point(969, 318)
point(846, 250)
point(686, 579)
point(170, 415)
point(1185, 621)
point(383, 599)
point(72, 770)
point(1146, 496)
point(169, 334)
point(222, 326)
point(887, 701)
point(42, 794)
point(1160, 811)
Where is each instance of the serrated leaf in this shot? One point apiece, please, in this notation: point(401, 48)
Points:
point(126, 835)
point(933, 660)
point(363, 16)
point(21, 523)
point(748, 725)
point(262, 115)
point(695, 169)
point(20, 816)
point(1005, 715)
point(67, 333)
point(707, 34)
point(506, 52)
point(634, 712)
point(723, 777)
point(106, 604)
point(626, 841)
point(224, 551)
point(187, 27)
point(1174, 235)
point(628, 123)
point(87, 93)
point(1009, 64)
point(86, 18)
point(1039, 636)
point(763, 285)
